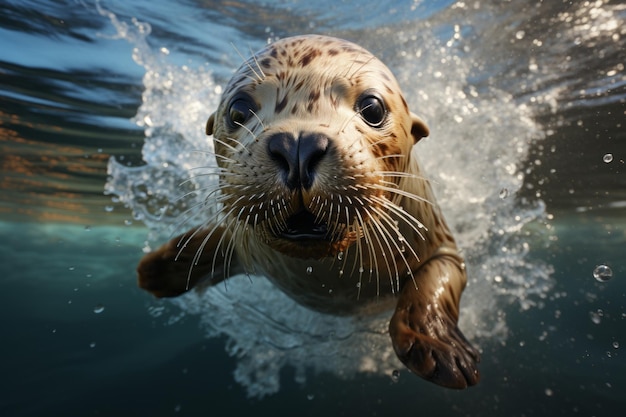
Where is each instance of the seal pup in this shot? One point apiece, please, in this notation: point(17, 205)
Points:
point(320, 190)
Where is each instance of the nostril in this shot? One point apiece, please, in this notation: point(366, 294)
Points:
point(311, 149)
point(281, 161)
point(283, 149)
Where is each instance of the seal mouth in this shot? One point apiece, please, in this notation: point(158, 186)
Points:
point(302, 226)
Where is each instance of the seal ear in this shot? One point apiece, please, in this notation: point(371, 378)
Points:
point(418, 128)
point(209, 125)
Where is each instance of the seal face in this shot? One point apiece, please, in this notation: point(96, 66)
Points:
point(320, 191)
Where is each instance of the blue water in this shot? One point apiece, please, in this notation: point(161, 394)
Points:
point(100, 105)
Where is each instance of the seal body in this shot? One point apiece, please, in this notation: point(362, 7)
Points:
point(320, 189)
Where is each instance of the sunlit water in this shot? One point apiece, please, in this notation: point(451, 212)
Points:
point(525, 103)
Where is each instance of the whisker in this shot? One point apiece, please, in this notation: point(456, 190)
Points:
point(218, 249)
point(198, 254)
point(345, 252)
point(400, 192)
point(210, 220)
point(349, 77)
point(203, 151)
point(231, 147)
point(358, 257)
point(282, 211)
point(188, 213)
point(390, 156)
point(400, 174)
point(371, 252)
point(257, 64)
point(400, 249)
point(259, 119)
point(247, 62)
point(407, 217)
point(373, 222)
point(230, 249)
point(381, 139)
point(255, 137)
point(356, 113)
point(189, 181)
point(206, 192)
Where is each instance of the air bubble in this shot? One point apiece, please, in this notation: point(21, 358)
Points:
point(395, 375)
point(340, 256)
point(146, 248)
point(616, 345)
point(99, 308)
point(602, 273)
point(607, 158)
point(596, 317)
point(309, 270)
point(504, 193)
point(92, 345)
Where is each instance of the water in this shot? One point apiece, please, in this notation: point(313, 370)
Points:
point(103, 107)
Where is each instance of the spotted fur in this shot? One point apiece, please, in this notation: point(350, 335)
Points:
point(356, 226)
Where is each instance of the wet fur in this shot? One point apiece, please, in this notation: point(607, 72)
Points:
point(387, 240)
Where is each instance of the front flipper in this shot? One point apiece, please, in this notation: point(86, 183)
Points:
point(424, 328)
point(184, 262)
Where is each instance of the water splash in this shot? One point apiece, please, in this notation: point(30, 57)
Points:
point(176, 103)
point(479, 141)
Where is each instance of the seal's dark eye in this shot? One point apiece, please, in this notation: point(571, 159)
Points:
point(240, 111)
point(372, 109)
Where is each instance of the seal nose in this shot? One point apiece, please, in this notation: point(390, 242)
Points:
point(297, 158)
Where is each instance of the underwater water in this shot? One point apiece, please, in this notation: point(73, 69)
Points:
point(102, 113)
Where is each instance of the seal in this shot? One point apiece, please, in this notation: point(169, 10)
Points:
point(320, 190)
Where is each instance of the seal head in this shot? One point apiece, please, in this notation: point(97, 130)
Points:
point(306, 121)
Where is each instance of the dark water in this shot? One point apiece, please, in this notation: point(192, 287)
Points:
point(526, 102)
